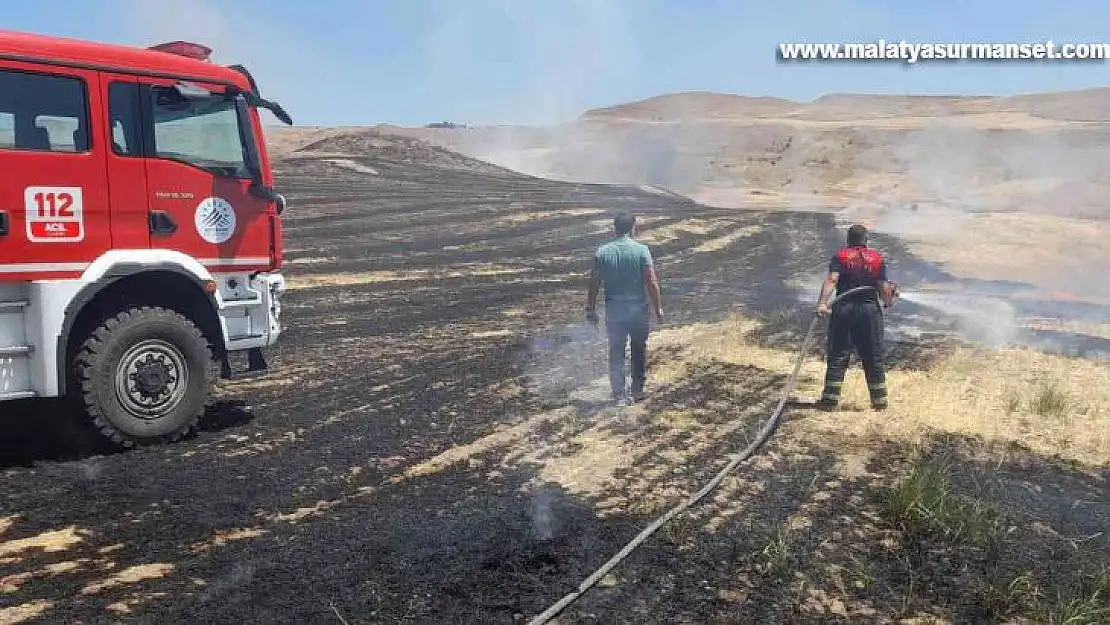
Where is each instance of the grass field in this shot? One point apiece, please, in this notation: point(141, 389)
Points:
point(431, 446)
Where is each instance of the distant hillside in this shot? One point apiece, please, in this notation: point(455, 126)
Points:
point(692, 106)
point(1044, 152)
point(369, 143)
point(1041, 152)
point(1084, 105)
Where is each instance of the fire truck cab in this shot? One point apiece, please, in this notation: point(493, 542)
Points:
point(140, 233)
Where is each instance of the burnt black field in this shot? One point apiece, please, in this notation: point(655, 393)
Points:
point(420, 291)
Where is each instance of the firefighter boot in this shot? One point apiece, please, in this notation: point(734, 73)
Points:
point(830, 397)
point(878, 395)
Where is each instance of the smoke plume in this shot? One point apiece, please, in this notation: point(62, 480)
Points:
point(572, 51)
point(1008, 204)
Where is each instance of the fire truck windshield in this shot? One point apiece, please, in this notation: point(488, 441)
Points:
point(201, 130)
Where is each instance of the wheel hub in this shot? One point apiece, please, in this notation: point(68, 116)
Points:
point(151, 379)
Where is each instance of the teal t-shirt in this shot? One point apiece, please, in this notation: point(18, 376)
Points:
point(621, 265)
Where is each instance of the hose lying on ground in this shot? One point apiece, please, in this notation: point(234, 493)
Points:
point(760, 439)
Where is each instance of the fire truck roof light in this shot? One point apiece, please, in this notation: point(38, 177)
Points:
point(185, 48)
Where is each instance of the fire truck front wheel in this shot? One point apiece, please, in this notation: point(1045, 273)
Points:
point(143, 376)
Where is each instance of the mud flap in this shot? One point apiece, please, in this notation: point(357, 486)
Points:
point(256, 365)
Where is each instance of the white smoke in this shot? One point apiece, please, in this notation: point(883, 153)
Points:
point(988, 321)
point(563, 359)
point(563, 54)
point(1019, 204)
point(542, 515)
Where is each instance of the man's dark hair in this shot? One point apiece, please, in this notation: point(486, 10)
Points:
point(624, 223)
point(857, 235)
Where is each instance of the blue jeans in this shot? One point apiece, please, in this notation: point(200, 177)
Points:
point(624, 324)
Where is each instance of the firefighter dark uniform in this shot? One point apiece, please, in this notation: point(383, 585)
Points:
point(856, 322)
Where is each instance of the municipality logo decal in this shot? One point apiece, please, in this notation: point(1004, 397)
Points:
point(215, 220)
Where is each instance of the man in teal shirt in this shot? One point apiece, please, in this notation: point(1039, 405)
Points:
point(624, 266)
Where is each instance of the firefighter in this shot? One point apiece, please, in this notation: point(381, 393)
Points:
point(625, 268)
point(857, 320)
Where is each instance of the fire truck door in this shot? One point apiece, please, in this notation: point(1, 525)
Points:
point(126, 167)
point(54, 217)
point(198, 178)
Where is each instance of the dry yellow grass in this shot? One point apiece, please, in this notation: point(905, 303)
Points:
point(717, 244)
point(1094, 330)
point(686, 227)
point(1051, 404)
point(25, 613)
point(130, 575)
point(521, 215)
point(48, 542)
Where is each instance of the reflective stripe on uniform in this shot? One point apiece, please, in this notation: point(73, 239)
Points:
point(877, 390)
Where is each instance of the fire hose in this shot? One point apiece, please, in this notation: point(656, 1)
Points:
point(761, 438)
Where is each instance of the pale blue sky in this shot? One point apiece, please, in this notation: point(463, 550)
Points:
point(538, 61)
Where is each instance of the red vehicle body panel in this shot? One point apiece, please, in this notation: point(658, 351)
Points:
point(178, 189)
point(130, 206)
point(117, 192)
point(125, 59)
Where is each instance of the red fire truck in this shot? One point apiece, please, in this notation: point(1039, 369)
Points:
point(140, 233)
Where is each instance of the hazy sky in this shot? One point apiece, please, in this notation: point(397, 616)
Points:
point(537, 61)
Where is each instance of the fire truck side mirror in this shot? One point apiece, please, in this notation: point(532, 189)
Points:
point(278, 111)
point(4, 223)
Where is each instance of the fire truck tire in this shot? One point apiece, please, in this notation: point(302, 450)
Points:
point(143, 376)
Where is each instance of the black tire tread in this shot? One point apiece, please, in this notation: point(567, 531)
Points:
point(89, 353)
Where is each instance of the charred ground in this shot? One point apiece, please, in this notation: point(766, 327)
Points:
point(397, 464)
